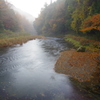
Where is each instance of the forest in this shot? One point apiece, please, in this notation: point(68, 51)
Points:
point(76, 17)
point(12, 20)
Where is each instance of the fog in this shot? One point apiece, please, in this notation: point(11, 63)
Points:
point(32, 7)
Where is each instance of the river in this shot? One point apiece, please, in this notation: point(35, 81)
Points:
point(27, 72)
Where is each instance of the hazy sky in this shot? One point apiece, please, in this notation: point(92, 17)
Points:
point(33, 7)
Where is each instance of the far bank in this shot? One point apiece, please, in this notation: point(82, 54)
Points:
point(8, 38)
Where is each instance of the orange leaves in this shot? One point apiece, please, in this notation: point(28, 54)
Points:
point(79, 65)
point(92, 23)
point(98, 28)
point(80, 59)
point(87, 29)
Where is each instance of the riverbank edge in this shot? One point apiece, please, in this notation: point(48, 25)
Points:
point(92, 83)
point(77, 41)
point(5, 42)
point(87, 80)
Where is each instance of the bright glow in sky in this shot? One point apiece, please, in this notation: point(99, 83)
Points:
point(33, 7)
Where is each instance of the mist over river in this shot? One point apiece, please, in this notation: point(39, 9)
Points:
point(27, 72)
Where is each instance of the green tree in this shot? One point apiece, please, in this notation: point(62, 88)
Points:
point(64, 16)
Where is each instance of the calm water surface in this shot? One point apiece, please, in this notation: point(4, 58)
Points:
point(27, 72)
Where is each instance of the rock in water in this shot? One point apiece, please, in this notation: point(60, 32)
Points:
point(81, 49)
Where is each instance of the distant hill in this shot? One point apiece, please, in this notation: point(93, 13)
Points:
point(27, 15)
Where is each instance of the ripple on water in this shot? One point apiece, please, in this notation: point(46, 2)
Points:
point(26, 72)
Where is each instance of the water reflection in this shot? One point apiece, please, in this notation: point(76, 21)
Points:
point(26, 72)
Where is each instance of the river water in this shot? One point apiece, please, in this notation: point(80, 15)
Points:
point(27, 72)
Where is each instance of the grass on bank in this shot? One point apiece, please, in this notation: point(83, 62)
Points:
point(8, 38)
point(78, 60)
point(77, 41)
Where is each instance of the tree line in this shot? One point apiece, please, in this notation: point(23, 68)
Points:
point(12, 20)
point(64, 16)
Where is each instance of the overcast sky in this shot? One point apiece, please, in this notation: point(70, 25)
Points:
point(33, 7)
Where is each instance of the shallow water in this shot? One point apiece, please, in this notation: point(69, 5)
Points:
point(27, 72)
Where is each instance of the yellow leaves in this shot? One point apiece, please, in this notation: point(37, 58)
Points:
point(42, 94)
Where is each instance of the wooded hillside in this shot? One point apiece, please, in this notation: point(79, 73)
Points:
point(65, 16)
point(12, 20)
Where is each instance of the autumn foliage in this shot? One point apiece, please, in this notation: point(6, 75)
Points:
point(92, 23)
point(12, 20)
point(89, 44)
point(63, 16)
point(79, 65)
